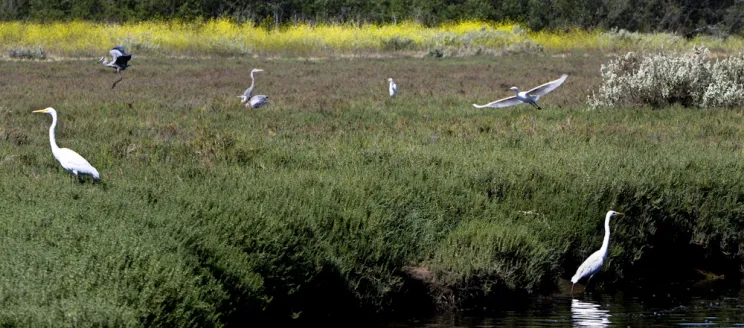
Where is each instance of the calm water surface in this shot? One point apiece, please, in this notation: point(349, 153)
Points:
point(711, 304)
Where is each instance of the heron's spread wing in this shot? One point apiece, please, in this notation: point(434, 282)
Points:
point(506, 102)
point(123, 59)
point(115, 53)
point(547, 87)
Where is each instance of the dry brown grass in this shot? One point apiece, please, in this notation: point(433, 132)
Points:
point(304, 84)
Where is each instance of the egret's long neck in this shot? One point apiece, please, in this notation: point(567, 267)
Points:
point(606, 241)
point(52, 140)
point(516, 91)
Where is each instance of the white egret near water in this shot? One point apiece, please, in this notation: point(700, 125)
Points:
point(393, 88)
point(119, 59)
point(249, 99)
point(594, 262)
point(69, 159)
point(529, 97)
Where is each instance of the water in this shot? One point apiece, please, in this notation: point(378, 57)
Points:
point(709, 304)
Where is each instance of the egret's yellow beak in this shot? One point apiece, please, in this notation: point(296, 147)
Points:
point(621, 213)
point(40, 111)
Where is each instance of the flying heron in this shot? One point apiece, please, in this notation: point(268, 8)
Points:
point(120, 59)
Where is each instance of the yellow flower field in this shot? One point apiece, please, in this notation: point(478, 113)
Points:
point(224, 37)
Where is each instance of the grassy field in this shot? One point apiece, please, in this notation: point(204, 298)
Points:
point(327, 201)
point(222, 37)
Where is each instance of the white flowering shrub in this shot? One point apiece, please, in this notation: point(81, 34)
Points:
point(691, 79)
point(726, 87)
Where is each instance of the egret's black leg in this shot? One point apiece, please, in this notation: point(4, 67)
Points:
point(587, 281)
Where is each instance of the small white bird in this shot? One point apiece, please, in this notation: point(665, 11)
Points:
point(69, 159)
point(529, 97)
point(594, 262)
point(393, 88)
point(249, 99)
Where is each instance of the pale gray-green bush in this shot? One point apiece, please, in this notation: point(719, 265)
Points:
point(690, 79)
point(727, 83)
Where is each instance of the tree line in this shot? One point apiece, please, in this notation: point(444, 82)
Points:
point(679, 16)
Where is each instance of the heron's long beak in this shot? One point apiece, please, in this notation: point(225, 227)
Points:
point(621, 213)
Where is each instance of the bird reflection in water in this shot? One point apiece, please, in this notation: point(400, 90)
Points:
point(589, 314)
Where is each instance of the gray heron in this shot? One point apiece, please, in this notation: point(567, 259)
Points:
point(249, 99)
point(119, 59)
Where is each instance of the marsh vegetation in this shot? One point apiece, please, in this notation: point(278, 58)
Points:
point(337, 199)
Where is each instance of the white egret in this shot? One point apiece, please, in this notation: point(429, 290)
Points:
point(69, 159)
point(529, 97)
point(119, 59)
point(594, 262)
point(249, 99)
point(393, 88)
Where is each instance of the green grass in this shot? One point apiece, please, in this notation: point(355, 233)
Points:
point(209, 214)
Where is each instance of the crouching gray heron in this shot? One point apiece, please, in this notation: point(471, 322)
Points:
point(249, 99)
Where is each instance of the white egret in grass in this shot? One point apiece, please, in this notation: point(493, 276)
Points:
point(249, 99)
point(529, 97)
point(392, 88)
point(69, 159)
point(594, 262)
